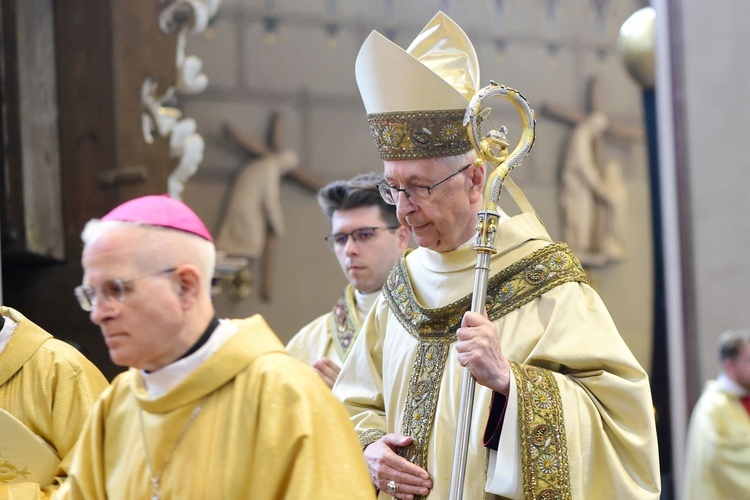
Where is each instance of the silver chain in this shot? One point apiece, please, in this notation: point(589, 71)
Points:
point(156, 478)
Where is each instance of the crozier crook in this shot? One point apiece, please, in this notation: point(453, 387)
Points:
point(492, 151)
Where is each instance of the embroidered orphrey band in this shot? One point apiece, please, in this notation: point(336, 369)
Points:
point(435, 329)
point(369, 436)
point(421, 400)
point(344, 323)
point(544, 449)
point(409, 135)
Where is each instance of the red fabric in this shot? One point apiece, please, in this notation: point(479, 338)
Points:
point(746, 402)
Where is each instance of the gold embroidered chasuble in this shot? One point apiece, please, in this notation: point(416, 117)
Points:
point(330, 335)
point(260, 429)
point(582, 401)
point(50, 387)
point(435, 330)
point(717, 458)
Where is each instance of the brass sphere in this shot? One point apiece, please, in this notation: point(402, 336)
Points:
point(636, 46)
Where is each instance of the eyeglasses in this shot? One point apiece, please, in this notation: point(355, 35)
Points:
point(111, 289)
point(360, 235)
point(390, 193)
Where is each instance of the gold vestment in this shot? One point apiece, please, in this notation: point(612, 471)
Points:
point(717, 456)
point(50, 387)
point(330, 335)
point(268, 428)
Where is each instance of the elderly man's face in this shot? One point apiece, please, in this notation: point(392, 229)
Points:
point(143, 329)
point(447, 218)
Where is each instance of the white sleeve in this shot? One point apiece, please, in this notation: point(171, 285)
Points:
point(504, 469)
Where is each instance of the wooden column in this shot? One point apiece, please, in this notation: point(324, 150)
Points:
point(103, 51)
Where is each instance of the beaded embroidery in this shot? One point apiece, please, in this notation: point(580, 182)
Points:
point(345, 323)
point(419, 134)
point(435, 330)
point(544, 457)
point(369, 436)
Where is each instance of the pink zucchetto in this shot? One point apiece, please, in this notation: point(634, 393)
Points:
point(160, 210)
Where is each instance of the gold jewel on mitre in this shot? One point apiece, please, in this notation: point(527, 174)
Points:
point(416, 98)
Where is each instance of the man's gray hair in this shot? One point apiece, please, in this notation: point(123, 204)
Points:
point(731, 343)
point(458, 161)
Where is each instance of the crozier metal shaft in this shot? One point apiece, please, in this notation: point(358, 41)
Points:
point(491, 150)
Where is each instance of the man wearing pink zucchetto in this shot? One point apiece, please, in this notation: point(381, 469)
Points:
point(210, 408)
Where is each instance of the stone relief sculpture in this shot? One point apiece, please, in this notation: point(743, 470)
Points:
point(254, 206)
point(253, 218)
point(593, 190)
point(592, 198)
point(613, 221)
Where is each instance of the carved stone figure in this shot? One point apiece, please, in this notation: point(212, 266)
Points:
point(582, 187)
point(253, 218)
point(594, 192)
point(613, 211)
point(254, 206)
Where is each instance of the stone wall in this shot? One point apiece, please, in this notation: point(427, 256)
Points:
point(546, 50)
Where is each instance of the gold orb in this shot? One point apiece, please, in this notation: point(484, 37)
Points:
point(636, 46)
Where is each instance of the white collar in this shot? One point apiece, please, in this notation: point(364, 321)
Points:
point(8, 328)
point(364, 302)
point(164, 379)
point(726, 384)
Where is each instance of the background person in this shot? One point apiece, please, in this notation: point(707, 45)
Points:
point(718, 443)
point(367, 239)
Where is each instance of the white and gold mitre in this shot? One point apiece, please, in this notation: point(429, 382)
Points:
point(416, 98)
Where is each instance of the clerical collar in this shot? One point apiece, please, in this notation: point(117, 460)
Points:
point(726, 384)
point(515, 232)
point(164, 379)
point(364, 302)
point(203, 338)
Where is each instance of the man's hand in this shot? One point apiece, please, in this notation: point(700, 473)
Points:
point(328, 370)
point(389, 469)
point(479, 350)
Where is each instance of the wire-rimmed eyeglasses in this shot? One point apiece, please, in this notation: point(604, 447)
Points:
point(111, 289)
point(390, 193)
point(360, 235)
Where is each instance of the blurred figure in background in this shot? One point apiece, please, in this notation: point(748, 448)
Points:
point(718, 443)
point(47, 390)
point(367, 239)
